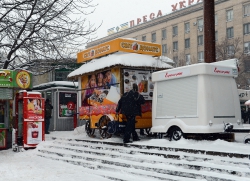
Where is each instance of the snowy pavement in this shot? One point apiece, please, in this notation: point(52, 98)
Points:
point(27, 165)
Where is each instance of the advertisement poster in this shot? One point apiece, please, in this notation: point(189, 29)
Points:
point(142, 78)
point(2, 138)
point(101, 88)
point(64, 99)
point(34, 135)
point(12, 78)
point(34, 108)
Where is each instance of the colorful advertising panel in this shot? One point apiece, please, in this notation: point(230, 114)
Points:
point(3, 138)
point(34, 109)
point(142, 78)
point(67, 102)
point(101, 88)
point(18, 79)
point(34, 132)
point(119, 44)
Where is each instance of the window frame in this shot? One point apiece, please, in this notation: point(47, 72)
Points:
point(199, 57)
point(144, 36)
point(187, 27)
point(248, 47)
point(216, 19)
point(175, 31)
point(164, 48)
point(200, 23)
point(153, 37)
point(164, 34)
point(200, 40)
point(175, 46)
point(246, 27)
point(188, 61)
point(187, 42)
point(230, 31)
point(246, 7)
point(230, 50)
point(229, 15)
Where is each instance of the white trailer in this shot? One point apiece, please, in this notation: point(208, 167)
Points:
point(196, 99)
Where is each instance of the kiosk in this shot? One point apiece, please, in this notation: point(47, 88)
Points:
point(11, 81)
point(111, 69)
point(29, 110)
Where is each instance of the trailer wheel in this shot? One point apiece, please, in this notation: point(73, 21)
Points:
point(90, 132)
point(103, 127)
point(175, 134)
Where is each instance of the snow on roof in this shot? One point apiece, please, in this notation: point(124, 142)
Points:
point(58, 83)
point(120, 58)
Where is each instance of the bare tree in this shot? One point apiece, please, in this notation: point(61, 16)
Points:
point(232, 48)
point(182, 59)
point(36, 34)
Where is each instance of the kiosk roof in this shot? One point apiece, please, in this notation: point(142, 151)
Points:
point(119, 58)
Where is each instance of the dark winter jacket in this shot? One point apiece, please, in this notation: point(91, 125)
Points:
point(48, 110)
point(130, 103)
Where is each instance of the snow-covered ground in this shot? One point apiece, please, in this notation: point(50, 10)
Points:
point(27, 166)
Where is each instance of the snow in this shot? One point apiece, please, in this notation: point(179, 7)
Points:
point(26, 165)
point(58, 83)
point(120, 58)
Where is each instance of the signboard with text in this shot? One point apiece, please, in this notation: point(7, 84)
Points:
point(15, 79)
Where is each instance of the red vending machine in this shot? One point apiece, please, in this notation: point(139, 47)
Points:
point(29, 107)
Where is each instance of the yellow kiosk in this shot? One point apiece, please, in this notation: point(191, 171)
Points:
point(110, 69)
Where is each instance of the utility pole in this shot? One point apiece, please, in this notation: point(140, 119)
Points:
point(209, 31)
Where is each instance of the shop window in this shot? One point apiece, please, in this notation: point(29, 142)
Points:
point(66, 99)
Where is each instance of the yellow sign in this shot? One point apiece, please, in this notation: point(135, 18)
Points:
point(119, 45)
point(23, 79)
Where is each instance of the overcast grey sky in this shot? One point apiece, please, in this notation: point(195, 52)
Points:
point(116, 12)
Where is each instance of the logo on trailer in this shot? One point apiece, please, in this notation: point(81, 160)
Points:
point(173, 75)
point(221, 71)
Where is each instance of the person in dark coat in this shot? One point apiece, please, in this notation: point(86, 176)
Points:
point(48, 114)
point(243, 114)
point(130, 105)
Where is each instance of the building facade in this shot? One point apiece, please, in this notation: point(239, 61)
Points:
point(181, 32)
